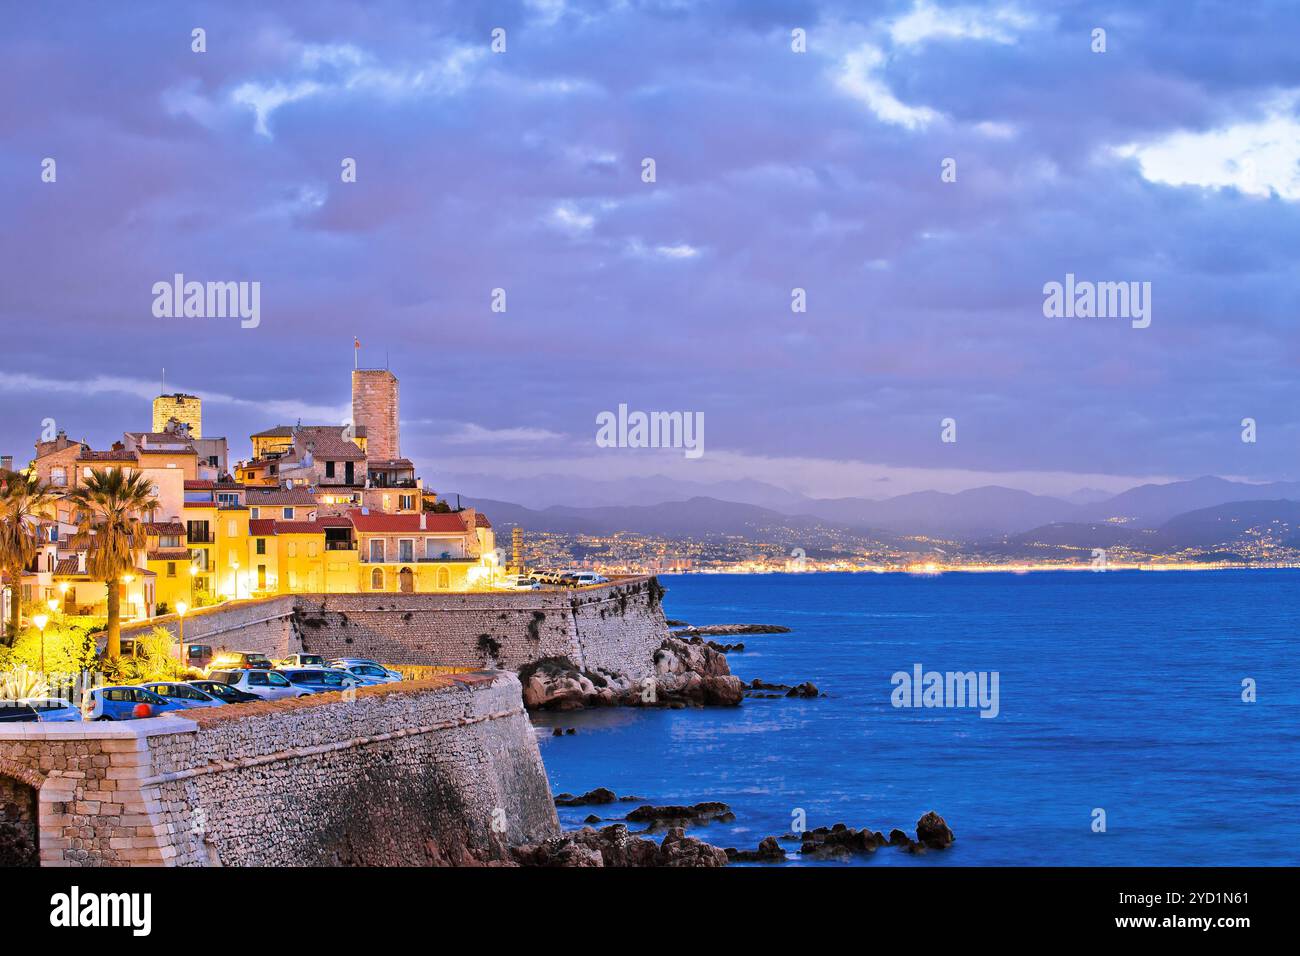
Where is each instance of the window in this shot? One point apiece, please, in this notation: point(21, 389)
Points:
point(377, 579)
point(261, 577)
point(377, 550)
point(257, 679)
point(287, 514)
point(444, 579)
point(58, 477)
point(406, 549)
point(255, 512)
point(329, 469)
point(261, 546)
point(276, 680)
point(406, 502)
point(313, 548)
point(292, 549)
point(232, 528)
point(171, 569)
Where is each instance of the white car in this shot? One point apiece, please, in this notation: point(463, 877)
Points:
point(517, 582)
point(268, 685)
point(366, 670)
point(586, 578)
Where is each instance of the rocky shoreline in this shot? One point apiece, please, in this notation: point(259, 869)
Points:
point(616, 845)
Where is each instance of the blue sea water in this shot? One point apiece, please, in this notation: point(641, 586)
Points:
point(1118, 690)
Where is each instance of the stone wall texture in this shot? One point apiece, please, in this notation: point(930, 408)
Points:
point(615, 627)
point(444, 771)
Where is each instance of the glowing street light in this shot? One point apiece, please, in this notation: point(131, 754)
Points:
point(181, 608)
point(40, 620)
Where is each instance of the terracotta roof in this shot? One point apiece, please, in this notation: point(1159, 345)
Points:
point(88, 455)
point(390, 464)
point(481, 520)
point(189, 450)
point(286, 431)
point(198, 484)
point(170, 554)
point(164, 527)
point(261, 527)
point(325, 444)
point(280, 496)
point(382, 521)
point(66, 566)
point(299, 527)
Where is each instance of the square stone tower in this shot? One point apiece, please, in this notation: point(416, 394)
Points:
point(374, 405)
point(184, 408)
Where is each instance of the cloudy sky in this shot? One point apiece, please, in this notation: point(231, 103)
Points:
point(1171, 158)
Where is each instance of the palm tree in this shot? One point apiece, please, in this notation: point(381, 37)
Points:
point(109, 528)
point(23, 499)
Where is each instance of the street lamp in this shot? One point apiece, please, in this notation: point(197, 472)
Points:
point(181, 608)
point(40, 620)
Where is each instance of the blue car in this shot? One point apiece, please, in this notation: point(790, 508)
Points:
point(321, 680)
point(180, 692)
point(119, 703)
point(52, 710)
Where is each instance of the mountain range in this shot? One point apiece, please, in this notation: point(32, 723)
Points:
point(1168, 516)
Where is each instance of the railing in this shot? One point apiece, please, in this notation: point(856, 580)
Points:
point(201, 537)
point(340, 546)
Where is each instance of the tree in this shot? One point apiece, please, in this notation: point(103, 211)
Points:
point(110, 530)
point(23, 500)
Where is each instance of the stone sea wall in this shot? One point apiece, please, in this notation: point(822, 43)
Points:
point(615, 627)
point(444, 771)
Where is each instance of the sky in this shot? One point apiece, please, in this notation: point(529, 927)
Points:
point(1172, 158)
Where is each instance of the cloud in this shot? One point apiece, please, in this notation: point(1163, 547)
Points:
point(569, 219)
point(927, 22)
point(331, 70)
point(859, 78)
point(283, 411)
point(1260, 157)
point(472, 434)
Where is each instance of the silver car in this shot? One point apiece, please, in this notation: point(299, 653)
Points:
point(268, 685)
point(180, 692)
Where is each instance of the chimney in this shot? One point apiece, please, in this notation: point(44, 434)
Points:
point(423, 526)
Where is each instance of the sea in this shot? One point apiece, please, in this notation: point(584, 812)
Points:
point(1144, 718)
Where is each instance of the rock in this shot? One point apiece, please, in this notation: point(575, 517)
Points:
point(898, 838)
point(933, 832)
point(769, 851)
point(759, 684)
point(806, 689)
point(691, 672)
point(591, 818)
point(675, 814)
point(599, 795)
point(716, 630)
point(614, 846)
point(573, 730)
point(557, 732)
point(839, 841)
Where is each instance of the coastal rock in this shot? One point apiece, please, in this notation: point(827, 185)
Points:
point(806, 689)
point(691, 672)
point(681, 815)
point(556, 683)
point(898, 838)
point(769, 851)
point(614, 846)
point(933, 832)
point(839, 841)
point(597, 796)
point(719, 630)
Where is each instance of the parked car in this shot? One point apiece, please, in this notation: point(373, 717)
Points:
point(119, 702)
point(52, 710)
point(567, 579)
point(587, 578)
point(268, 685)
point(12, 712)
point(183, 693)
point(321, 680)
point(365, 668)
point(231, 695)
point(302, 660)
point(516, 582)
point(235, 660)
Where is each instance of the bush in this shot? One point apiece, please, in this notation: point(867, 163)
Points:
point(68, 650)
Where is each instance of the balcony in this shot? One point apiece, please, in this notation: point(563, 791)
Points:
point(340, 546)
point(201, 537)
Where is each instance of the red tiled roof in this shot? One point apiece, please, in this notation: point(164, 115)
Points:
point(170, 554)
point(286, 431)
point(382, 521)
point(261, 527)
point(66, 566)
point(481, 520)
point(280, 496)
point(164, 527)
point(299, 527)
point(390, 464)
point(198, 484)
point(113, 456)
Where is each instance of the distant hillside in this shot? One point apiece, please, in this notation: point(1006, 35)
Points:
point(979, 512)
point(1150, 506)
